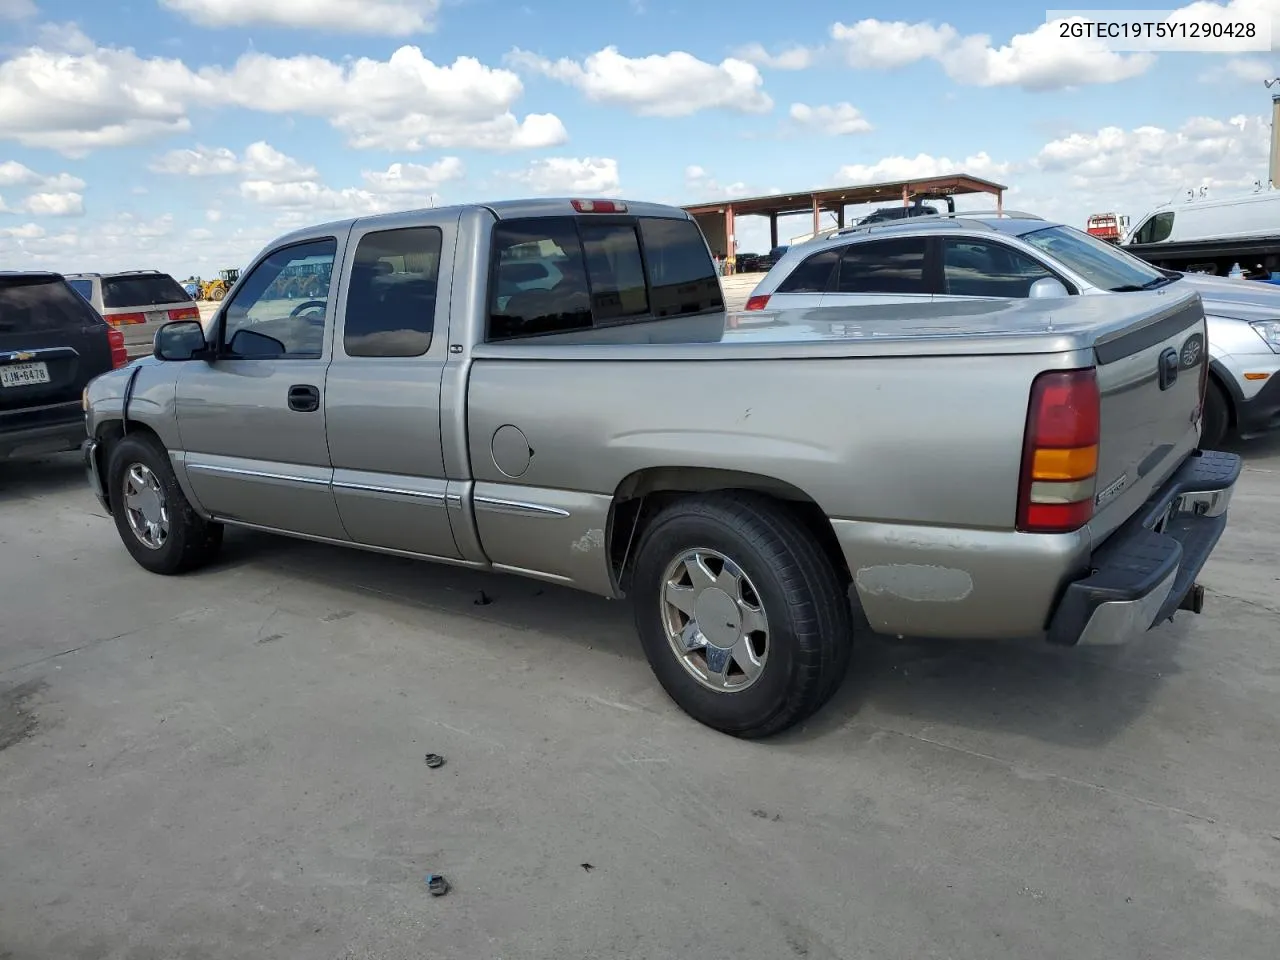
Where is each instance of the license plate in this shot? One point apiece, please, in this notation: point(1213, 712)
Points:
point(157, 316)
point(23, 374)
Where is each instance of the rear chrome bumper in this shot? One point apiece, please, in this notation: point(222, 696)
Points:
point(89, 450)
point(1146, 571)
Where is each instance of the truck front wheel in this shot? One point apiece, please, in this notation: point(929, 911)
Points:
point(741, 614)
point(157, 524)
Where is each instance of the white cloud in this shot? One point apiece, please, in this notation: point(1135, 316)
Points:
point(14, 174)
point(792, 58)
point(264, 162)
point(1252, 70)
point(17, 9)
point(1039, 60)
point(75, 100)
point(701, 185)
point(54, 205)
point(660, 85)
point(571, 175)
point(55, 195)
point(28, 231)
point(1155, 164)
point(261, 161)
point(412, 178)
point(197, 161)
point(395, 18)
point(838, 120)
point(881, 45)
point(921, 165)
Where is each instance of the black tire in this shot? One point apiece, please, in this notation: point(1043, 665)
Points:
point(810, 628)
point(1217, 417)
point(191, 542)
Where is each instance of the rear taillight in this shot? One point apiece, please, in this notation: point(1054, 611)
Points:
point(185, 313)
point(599, 206)
point(116, 319)
point(757, 303)
point(1060, 454)
point(119, 355)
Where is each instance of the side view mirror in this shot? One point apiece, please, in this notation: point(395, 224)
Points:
point(1046, 288)
point(179, 340)
point(251, 345)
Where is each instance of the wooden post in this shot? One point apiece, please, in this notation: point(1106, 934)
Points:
point(817, 215)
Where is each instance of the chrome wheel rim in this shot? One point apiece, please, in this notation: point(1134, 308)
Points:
point(715, 620)
point(145, 506)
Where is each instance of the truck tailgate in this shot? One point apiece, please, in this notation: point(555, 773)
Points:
point(1151, 381)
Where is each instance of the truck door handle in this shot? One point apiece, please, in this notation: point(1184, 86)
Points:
point(304, 398)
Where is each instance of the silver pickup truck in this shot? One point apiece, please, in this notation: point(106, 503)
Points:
point(553, 388)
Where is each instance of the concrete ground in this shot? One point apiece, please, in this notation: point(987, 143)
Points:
point(230, 765)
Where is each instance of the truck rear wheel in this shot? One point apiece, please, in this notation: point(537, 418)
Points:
point(157, 524)
point(741, 614)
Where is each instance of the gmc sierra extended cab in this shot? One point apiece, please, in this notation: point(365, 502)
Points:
point(553, 388)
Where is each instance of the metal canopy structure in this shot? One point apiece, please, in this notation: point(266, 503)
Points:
point(833, 200)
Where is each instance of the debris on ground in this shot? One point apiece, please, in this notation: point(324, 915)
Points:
point(588, 867)
point(433, 760)
point(437, 884)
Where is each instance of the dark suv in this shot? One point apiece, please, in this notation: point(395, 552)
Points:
point(52, 343)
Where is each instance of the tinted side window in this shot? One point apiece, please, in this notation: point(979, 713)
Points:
point(391, 297)
point(977, 268)
point(1155, 230)
point(813, 275)
point(614, 270)
point(682, 276)
point(883, 266)
point(83, 287)
point(279, 310)
point(40, 304)
point(539, 280)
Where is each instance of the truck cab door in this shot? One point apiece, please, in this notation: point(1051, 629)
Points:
point(382, 401)
point(252, 421)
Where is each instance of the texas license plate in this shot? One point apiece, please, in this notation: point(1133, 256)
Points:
point(23, 374)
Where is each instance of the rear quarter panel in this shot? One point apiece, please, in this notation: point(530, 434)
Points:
point(915, 459)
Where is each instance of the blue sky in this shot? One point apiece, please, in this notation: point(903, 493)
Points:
point(185, 134)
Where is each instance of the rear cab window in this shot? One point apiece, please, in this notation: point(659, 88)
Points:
point(144, 290)
point(561, 274)
point(40, 304)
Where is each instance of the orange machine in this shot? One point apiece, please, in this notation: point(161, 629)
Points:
point(1104, 226)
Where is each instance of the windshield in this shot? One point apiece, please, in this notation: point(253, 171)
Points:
point(1097, 261)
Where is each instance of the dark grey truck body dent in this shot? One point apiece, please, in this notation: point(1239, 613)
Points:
point(894, 433)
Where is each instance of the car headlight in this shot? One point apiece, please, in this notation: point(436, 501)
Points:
point(84, 399)
point(1269, 331)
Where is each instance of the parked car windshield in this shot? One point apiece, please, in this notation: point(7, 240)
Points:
point(146, 290)
point(1097, 261)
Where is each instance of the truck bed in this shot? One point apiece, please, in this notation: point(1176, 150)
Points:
point(938, 328)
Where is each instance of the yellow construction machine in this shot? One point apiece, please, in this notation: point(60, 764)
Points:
point(217, 289)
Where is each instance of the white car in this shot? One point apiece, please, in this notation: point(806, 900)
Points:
point(968, 256)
